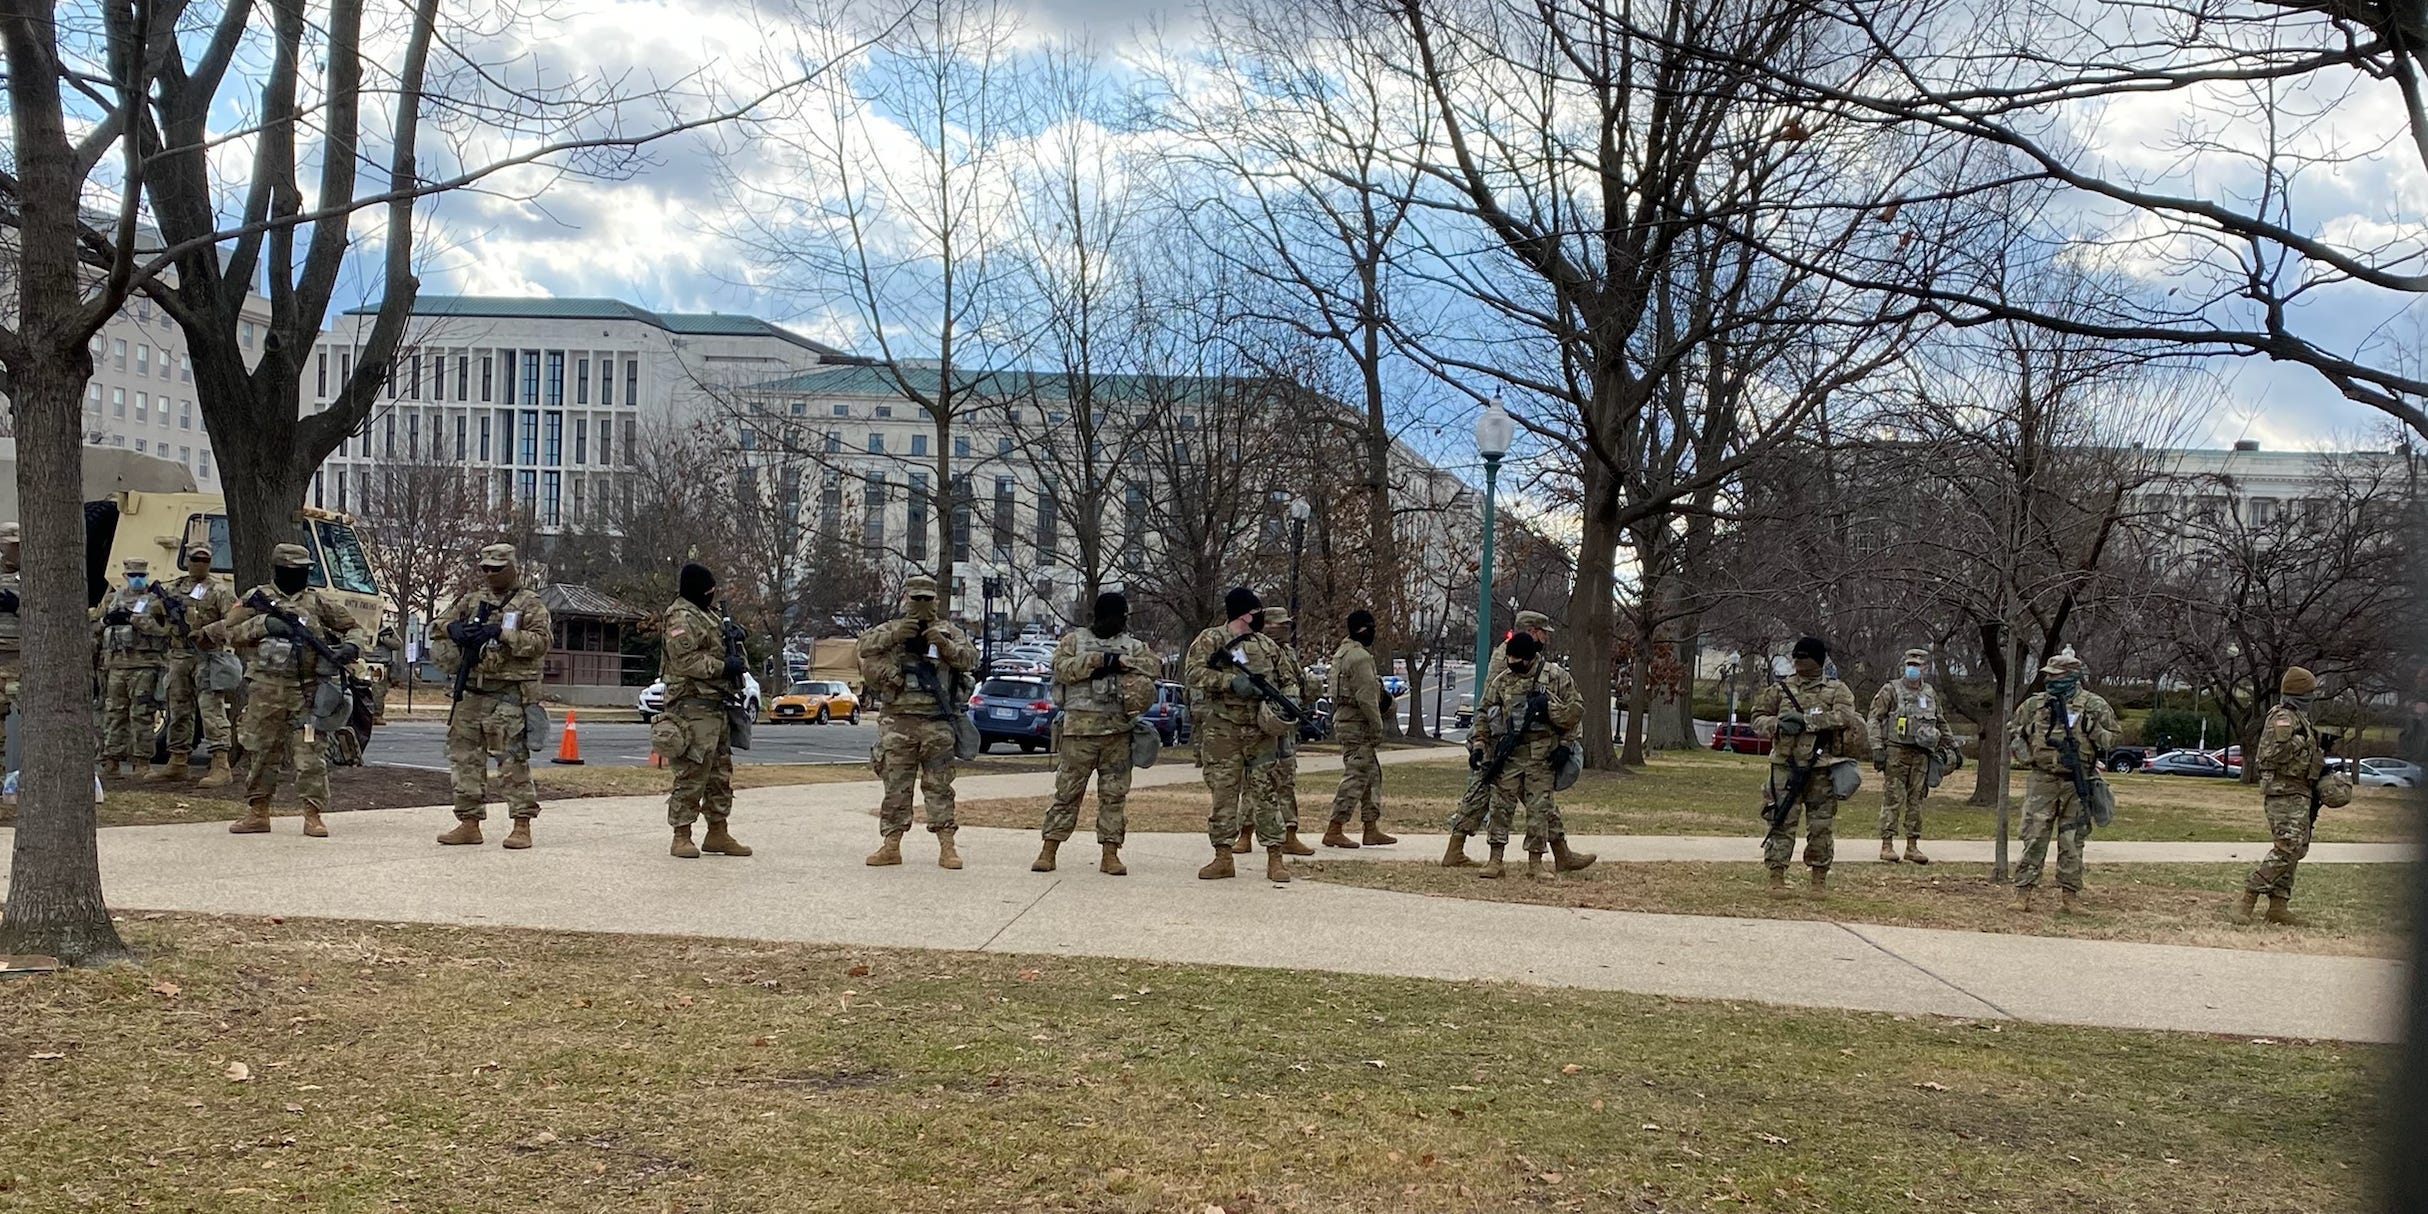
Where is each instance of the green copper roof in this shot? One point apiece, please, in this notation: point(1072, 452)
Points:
point(689, 324)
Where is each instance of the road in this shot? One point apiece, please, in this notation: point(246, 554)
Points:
point(620, 741)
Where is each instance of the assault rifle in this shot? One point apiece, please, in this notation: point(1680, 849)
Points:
point(2069, 753)
point(296, 627)
point(173, 606)
point(1536, 707)
point(1283, 706)
point(1798, 775)
point(922, 670)
point(470, 650)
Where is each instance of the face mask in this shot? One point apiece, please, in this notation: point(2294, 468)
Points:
point(919, 609)
point(1913, 672)
point(1256, 623)
point(136, 581)
point(1365, 638)
point(2064, 685)
point(1107, 629)
point(290, 581)
point(2298, 703)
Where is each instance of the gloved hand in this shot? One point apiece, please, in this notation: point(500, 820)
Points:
point(274, 626)
point(1475, 758)
point(463, 632)
point(8, 602)
point(1791, 722)
point(1538, 703)
point(1220, 659)
point(1880, 759)
point(118, 617)
point(734, 666)
point(347, 652)
point(1242, 686)
point(1109, 664)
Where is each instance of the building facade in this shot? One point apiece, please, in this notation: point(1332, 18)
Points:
point(141, 396)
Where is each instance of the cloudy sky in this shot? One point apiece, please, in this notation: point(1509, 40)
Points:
point(669, 236)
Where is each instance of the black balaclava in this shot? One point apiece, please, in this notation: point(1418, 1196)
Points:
point(1256, 623)
point(696, 584)
point(290, 579)
point(1361, 627)
point(1112, 615)
point(1522, 648)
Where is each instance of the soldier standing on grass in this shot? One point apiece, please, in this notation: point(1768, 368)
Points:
point(1812, 722)
point(1907, 722)
point(2291, 762)
point(1282, 776)
point(1476, 802)
point(287, 623)
point(1104, 678)
point(703, 678)
point(1531, 706)
point(505, 630)
point(1237, 739)
point(134, 634)
point(1357, 720)
point(915, 661)
point(205, 600)
point(2062, 717)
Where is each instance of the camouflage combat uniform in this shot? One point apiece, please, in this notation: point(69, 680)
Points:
point(282, 680)
point(195, 708)
point(1098, 711)
point(1832, 728)
point(1235, 752)
point(1282, 777)
point(2291, 761)
point(915, 728)
point(135, 657)
point(1526, 777)
point(1475, 804)
point(2050, 804)
point(1357, 719)
point(691, 730)
point(494, 717)
point(1906, 724)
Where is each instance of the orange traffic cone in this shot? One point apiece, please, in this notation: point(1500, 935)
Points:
point(568, 744)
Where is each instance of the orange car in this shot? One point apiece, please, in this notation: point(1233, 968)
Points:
point(819, 700)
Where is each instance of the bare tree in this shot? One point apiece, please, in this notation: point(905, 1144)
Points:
point(420, 523)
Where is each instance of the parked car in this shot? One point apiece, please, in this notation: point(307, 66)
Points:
point(652, 699)
point(1739, 739)
point(2128, 758)
point(1315, 720)
point(2388, 773)
point(2231, 756)
point(817, 701)
point(2189, 763)
point(1169, 714)
point(1016, 710)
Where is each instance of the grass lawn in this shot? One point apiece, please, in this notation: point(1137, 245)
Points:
point(2348, 908)
point(253, 1064)
point(1708, 793)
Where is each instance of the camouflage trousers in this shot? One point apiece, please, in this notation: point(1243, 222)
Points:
point(276, 716)
point(1360, 797)
point(130, 702)
point(1525, 780)
point(914, 748)
point(1282, 781)
point(489, 724)
point(693, 736)
point(1818, 809)
point(1902, 788)
point(1239, 762)
point(193, 708)
point(2289, 823)
point(1107, 757)
point(2050, 807)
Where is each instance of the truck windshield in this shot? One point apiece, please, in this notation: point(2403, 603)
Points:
point(341, 559)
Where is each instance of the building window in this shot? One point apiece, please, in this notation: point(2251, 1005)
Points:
point(606, 395)
point(842, 410)
point(872, 519)
point(246, 330)
point(527, 490)
point(459, 438)
point(885, 410)
point(631, 428)
point(578, 512)
point(1005, 518)
point(185, 415)
point(552, 495)
point(438, 377)
point(413, 376)
point(1049, 526)
point(118, 353)
point(117, 440)
point(800, 408)
point(341, 488)
point(581, 381)
point(750, 439)
point(143, 407)
point(488, 378)
point(632, 386)
point(1003, 446)
point(118, 402)
point(388, 441)
point(1053, 419)
point(914, 536)
point(321, 371)
point(388, 374)
point(606, 453)
point(484, 447)
point(830, 505)
point(530, 452)
point(961, 448)
point(1134, 521)
point(345, 368)
point(205, 467)
point(185, 368)
point(463, 377)
point(918, 444)
point(362, 441)
point(556, 380)
point(834, 440)
point(581, 439)
point(140, 445)
point(961, 518)
point(413, 435)
point(876, 443)
point(552, 452)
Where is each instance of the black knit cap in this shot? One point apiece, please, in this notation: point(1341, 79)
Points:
point(1361, 620)
point(1241, 601)
point(1811, 647)
point(1523, 646)
point(1112, 606)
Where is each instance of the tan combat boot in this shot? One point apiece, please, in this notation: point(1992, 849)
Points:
point(1493, 869)
point(1778, 883)
point(174, 769)
point(1820, 882)
point(2023, 899)
point(1375, 836)
point(1221, 866)
point(683, 848)
point(1292, 846)
point(1277, 868)
point(721, 841)
point(218, 776)
point(1534, 866)
point(519, 839)
point(1334, 836)
point(2249, 907)
point(2066, 903)
point(2280, 910)
point(1913, 850)
point(1570, 860)
point(1888, 851)
point(1247, 841)
point(888, 853)
point(1111, 865)
point(946, 856)
point(467, 832)
point(1044, 863)
point(256, 820)
point(1455, 855)
point(314, 828)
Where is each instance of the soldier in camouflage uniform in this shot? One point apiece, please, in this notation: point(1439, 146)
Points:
point(1533, 693)
point(193, 707)
point(1103, 678)
point(2291, 761)
point(1357, 720)
point(2062, 710)
point(12, 629)
point(1281, 777)
point(1906, 725)
point(916, 662)
point(703, 675)
point(1814, 725)
point(1238, 737)
point(507, 625)
point(283, 681)
point(135, 641)
point(1476, 803)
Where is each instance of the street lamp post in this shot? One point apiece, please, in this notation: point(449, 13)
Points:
point(1493, 432)
point(1299, 510)
point(989, 590)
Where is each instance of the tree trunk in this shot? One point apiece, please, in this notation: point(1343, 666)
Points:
point(1989, 774)
point(1639, 699)
point(1590, 619)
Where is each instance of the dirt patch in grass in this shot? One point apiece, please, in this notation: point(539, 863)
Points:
point(1708, 793)
point(2353, 909)
point(317, 1065)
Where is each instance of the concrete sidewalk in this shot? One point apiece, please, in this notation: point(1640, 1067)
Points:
point(602, 866)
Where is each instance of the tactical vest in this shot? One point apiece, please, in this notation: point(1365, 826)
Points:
point(1915, 722)
point(127, 639)
point(291, 658)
